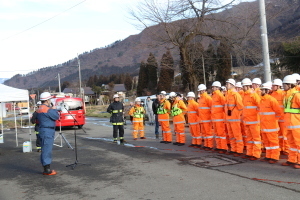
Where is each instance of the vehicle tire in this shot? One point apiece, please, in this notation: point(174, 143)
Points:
point(80, 126)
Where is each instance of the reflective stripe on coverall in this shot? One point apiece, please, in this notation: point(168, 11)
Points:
point(193, 120)
point(137, 112)
point(235, 104)
point(292, 122)
point(164, 121)
point(283, 143)
point(218, 119)
point(205, 119)
point(179, 121)
point(250, 118)
point(269, 114)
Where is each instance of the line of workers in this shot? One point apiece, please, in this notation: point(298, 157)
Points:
point(244, 115)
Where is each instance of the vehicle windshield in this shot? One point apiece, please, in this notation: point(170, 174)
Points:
point(69, 104)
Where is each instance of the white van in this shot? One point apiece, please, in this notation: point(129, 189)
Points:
point(144, 99)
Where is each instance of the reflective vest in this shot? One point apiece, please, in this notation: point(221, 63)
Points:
point(161, 110)
point(175, 110)
point(138, 112)
point(288, 104)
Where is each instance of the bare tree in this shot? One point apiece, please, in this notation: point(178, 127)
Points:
point(182, 22)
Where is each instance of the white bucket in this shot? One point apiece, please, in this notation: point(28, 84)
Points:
point(1, 138)
point(26, 147)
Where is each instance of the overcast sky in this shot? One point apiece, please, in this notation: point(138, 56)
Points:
point(41, 33)
point(89, 25)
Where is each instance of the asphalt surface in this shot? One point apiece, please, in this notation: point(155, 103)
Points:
point(142, 169)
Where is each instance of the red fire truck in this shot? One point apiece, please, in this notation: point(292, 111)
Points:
point(71, 110)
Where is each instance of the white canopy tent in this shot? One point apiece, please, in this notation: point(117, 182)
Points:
point(11, 94)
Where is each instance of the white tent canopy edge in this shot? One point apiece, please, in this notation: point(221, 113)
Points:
point(11, 94)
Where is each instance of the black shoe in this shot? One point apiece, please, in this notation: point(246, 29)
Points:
point(48, 171)
point(175, 143)
point(166, 142)
point(121, 141)
point(39, 150)
point(162, 142)
point(181, 144)
point(115, 141)
point(156, 136)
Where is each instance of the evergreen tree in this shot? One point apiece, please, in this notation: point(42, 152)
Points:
point(152, 73)
point(128, 82)
point(166, 77)
point(143, 80)
point(223, 63)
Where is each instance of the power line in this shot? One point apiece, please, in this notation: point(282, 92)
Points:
point(44, 21)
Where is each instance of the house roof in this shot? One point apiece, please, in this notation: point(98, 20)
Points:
point(117, 88)
point(87, 90)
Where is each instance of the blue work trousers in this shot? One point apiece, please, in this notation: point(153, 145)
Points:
point(156, 125)
point(47, 140)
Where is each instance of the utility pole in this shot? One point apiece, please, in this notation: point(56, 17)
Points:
point(59, 87)
point(264, 39)
point(203, 70)
point(231, 65)
point(80, 92)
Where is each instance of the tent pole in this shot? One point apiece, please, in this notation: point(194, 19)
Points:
point(16, 124)
point(2, 135)
point(29, 125)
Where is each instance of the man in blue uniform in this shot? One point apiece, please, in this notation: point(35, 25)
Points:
point(47, 116)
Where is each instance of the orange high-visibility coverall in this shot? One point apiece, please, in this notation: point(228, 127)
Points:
point(235, 104)
point(193, 120)
point(292, 122)
point(241, 92)
point(138, 124)
point(269, 114)
point(218, 119)
point(164, 120)
point(205, 119)
point(258, 91)
point(250, 118)
point(283, 143)
point(179, 121)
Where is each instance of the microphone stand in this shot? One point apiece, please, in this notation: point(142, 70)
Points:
point(62, 137)
point(76, 155)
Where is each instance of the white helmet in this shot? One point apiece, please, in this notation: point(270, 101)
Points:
point(39, 103)
point(267, 85)
point(277, 82)
point(231, 81)
point(223, 88)
point(291, 79)
point(45, 96)
point(246, 81)
point(238, 85)
point(163, 92)
point(297, 76)
point(191, 94)
point(201, 87)
point(256, 81)
point(216, 84)
point(137, 99)
point(172, 94)
point(116, 96)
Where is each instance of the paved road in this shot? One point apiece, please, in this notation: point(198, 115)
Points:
point(142, 169)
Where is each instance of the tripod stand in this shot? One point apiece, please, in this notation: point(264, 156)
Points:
point(62, 137)
point(76, 155)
